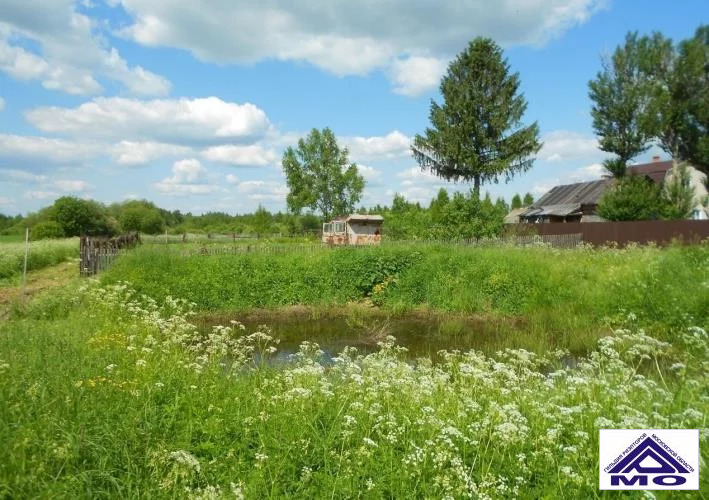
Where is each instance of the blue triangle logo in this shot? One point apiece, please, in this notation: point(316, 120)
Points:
point(651, 451)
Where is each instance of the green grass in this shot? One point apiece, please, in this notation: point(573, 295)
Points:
point(41, 254)
point(562, 298)
point(106, 394)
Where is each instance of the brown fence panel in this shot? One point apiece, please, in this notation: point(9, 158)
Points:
point(661, 232)
point(96, 254)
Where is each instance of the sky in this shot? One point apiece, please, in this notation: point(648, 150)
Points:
point(191, 104)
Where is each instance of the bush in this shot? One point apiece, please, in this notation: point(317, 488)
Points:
point(47, 229)
point(632, 198)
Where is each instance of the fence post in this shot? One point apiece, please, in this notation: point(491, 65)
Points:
point(24, 269)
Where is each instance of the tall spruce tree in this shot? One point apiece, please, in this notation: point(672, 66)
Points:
point(476, 134)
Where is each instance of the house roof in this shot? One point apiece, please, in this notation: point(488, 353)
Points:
point(513, 216)
point(359, 217)
point(581, 193)
point(567, 199)
point(655, 170)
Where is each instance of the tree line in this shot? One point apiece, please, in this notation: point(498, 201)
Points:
point(446, 216)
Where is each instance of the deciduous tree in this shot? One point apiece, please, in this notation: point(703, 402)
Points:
point(320, 177)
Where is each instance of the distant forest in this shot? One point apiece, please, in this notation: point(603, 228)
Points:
point(457, 215)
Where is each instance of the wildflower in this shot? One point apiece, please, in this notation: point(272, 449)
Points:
point(185, 458)
point(110, 368)
point(140, 363)
point(370, 442)
point(260, 459)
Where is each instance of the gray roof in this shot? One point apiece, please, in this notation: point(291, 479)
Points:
point(560, 209)
point(581, 192)
point(365, 217)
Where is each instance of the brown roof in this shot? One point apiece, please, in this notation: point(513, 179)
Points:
point(655, 170)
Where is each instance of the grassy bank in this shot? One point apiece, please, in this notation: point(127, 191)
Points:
point(42, 254)
point(108, 394)
point(560, 296)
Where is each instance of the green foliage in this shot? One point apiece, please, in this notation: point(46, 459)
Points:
point(204, 414)
point(621, 99)
point(654, 89)
point(615, 167)
point(139, 215)
point(632, 198)
point(476, 134)
point(678, 193)
point(78, 217)
point(47, 229)
point(320, 177)
point(42, 254)
point(528, 199)
point(692, 69)
point(516, 202)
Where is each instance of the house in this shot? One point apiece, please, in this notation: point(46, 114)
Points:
point(569, 203)
point(698, 180)
point(578, 202)
point(353, 229)
point(513, 216)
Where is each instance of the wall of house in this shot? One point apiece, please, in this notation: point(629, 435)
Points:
point(364, 233)
point(697, 180)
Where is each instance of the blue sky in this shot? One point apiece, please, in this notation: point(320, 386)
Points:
point(190, 104)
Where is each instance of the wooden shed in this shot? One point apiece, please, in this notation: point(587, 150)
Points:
point(353, 229)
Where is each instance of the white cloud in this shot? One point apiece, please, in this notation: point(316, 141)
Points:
point(250, 155)
point(416, 175)
point(564, 146)
point(263, 190)
point(231, 179)
point(393, 145)
point(46, 149)
point(370, 174)
point(72, 186)
point(160, 120)
point(188, 177)
point(40, 195)
point(591, 172)
point(20, 176)
point(415, 75)
point(5, 201)
point(72, 50)
point(139, 153)
point(349, 38)
point(2, 103)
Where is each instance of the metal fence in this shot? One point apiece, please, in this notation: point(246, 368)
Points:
point(661, 232)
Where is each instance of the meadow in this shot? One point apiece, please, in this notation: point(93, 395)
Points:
point(111, 390)
point(42, 254)
point(555, 298)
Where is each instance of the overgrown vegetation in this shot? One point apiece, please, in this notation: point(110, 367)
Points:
point(563, 297)
point(41, 254)
point(109, 393)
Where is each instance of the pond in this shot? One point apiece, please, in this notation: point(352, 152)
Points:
point(423, 334)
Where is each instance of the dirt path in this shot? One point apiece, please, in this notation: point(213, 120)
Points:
point(38, 281)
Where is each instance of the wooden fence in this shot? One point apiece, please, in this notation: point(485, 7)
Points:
point(97, 253)
point(556, 241)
